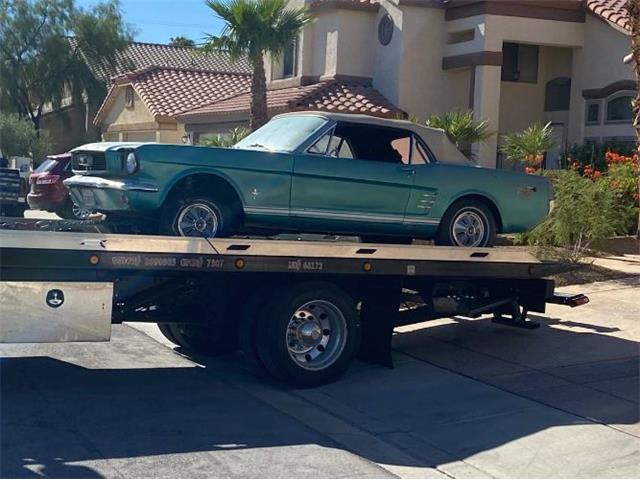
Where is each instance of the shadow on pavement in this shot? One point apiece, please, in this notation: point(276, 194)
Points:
point(510, 387)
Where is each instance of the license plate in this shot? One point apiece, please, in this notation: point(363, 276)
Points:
point(88, 199)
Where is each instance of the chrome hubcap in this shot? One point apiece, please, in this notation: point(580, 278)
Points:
point(316, 335)
point(198, 220)
point(469, 229)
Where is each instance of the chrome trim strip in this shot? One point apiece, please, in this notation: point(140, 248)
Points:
point(343, 216)
point(82, 181)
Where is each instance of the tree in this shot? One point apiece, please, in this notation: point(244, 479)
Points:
point(633, 7)
point(181, 41)
point(46, 49)
point(461, 128)
point(19, 138)
point(256, 28)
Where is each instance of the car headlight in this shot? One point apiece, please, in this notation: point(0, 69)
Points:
point(131, 163)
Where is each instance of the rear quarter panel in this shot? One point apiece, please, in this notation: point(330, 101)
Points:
point(522, 200)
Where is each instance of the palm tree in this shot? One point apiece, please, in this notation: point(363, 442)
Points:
point(256, 28)
point(461, 128)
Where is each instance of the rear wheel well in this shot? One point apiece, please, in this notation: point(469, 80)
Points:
point(207, 185)
point(490, 205)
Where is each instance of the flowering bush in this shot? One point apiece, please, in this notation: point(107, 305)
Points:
point(590, 206)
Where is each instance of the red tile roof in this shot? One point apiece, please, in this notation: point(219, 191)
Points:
point(614, 11)
point(330, 96)
point(138, 55)
point(168, 92)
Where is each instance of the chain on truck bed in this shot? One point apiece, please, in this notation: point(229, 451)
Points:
point(54, 225)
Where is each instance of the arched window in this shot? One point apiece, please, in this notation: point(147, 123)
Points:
point(619, 108)
point(557, 94)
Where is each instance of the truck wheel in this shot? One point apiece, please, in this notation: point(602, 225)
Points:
point(200, 339)
point(309, 334)
point(467, 223)
point(198, 217)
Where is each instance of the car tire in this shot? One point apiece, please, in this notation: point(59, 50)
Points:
point(199, 217)
point(201, 339)
point(71, 211)
point(308, 335)
point(473, 215)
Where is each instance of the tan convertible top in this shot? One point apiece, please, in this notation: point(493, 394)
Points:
point(435, 138)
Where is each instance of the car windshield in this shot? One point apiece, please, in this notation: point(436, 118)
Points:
point(283, 134)
point(46, 166)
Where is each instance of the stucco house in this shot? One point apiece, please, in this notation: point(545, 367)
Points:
point(513, 62)
point(72, 123)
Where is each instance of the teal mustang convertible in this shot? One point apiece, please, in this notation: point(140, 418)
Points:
point(381, 179)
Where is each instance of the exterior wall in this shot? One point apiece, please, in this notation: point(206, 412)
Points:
point(119, 114)
point(597, 65)
point(356, 31)
point(66, 128)
point(137, 124)
point(522, 104)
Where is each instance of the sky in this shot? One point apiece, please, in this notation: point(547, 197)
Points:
point(156, 21)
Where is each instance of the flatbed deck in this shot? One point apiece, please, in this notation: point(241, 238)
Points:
point(214, 295)
point(99, 251)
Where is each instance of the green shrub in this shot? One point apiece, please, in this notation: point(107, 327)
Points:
point(461, 128)
point(593, 154)
point(529, 145)
point(586, 212)
point(228, 140)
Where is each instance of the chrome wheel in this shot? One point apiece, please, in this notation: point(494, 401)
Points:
point(316, 335)
point(469, 229)
point(198, 220)
point(79, 212)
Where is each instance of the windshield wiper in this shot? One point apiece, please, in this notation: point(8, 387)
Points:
point(259, 145)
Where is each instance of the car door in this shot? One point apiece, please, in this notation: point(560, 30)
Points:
point(335, 183)
point(425, 192)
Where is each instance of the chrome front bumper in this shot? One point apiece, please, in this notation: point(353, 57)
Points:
point(105, 195)
point(83, 181)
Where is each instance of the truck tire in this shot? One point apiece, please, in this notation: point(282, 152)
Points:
point(467, 223)
point(198, 217)
point(200, 339)
point(308, 335)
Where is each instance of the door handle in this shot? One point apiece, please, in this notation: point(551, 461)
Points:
point(408, 170)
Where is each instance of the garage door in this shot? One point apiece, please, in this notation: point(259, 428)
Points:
point(140, 136)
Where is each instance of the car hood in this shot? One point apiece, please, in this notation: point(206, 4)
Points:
point(109, 146)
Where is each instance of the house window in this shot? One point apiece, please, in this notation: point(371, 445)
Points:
point(619, 109)
point(519, 63)
point(289, 60)
point(128, 97)
point(557, 94)
point(593, 113)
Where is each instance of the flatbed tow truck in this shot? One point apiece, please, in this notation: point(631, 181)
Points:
point(301, 310)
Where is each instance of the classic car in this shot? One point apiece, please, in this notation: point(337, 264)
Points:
point(312, 172)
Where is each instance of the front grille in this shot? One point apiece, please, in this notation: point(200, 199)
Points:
point(9, 185)
point(89, 162)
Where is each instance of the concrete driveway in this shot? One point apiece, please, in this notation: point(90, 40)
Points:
point(467, 399)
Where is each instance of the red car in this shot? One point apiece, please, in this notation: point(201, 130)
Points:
point(49, 193)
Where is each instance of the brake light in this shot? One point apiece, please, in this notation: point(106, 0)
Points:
point(47, 180)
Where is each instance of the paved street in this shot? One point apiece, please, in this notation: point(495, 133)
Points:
point(467, 399)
